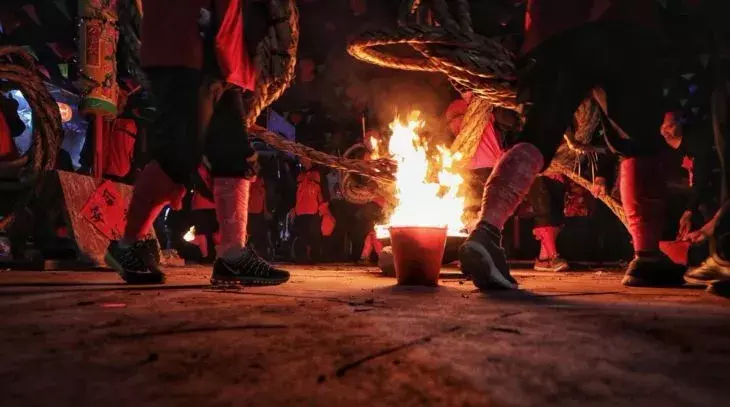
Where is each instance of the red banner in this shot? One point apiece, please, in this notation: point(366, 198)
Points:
point(105, 210)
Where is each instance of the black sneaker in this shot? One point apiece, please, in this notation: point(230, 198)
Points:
point(654, 270)
point(250, 269)
point(483, 259)
point(136, 264)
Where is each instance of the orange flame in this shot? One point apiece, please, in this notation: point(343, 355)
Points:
point(422, 202)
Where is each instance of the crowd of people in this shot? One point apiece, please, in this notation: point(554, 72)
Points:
point(250, 204)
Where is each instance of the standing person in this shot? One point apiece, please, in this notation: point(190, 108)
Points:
point(373, 213)
point(193, 70)
point(711, 15)
point(572, 47)
point(258, 216)
point(307, 219)
point(547, 198)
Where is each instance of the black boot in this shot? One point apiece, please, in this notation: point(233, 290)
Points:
point(653, 270)
point(482, 258)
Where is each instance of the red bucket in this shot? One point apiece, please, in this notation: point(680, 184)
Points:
point(417, 254)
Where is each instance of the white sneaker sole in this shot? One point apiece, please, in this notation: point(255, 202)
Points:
point(554, 270)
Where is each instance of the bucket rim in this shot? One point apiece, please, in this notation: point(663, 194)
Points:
point(444, 228)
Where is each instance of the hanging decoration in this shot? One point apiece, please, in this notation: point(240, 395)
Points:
point(98, 37)
point(66, 112)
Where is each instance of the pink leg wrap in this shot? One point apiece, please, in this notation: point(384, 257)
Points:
point(367, 247)
point(642, 194)
point(152, 191)
point(511, 179)
point(548, 236)
point(231, 207)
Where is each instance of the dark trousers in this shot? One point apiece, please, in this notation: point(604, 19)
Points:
point(197, 116)
point(258, 232)
point(308, 236)
point(561, 73)
point(476, 180)
point(547, 198)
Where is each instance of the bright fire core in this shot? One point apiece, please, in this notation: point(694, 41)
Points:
point(423, 200)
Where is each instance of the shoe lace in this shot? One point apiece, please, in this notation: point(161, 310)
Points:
point(131, 259)
point(255, 265)
point(146, 253)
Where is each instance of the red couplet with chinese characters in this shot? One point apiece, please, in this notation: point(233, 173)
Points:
point(105, 210)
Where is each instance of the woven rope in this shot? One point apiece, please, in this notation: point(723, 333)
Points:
point(472, 127)
point(18, 68)
point(275, 74)
point(610, 202)
point(471, 63)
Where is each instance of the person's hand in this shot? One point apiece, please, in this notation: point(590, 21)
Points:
point(599, 187)
point(702, 234)
point(685, 225)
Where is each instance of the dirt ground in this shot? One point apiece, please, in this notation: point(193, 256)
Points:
point(345, 336)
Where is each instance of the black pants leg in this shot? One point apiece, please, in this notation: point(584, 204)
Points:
point(308, 234)
point(197, 115)
point(227, 145)
point(258, 232)
point(547, 198)
point(174, 139)
point(476, 180)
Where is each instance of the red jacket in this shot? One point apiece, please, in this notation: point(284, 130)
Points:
point(309, 193)
point(171, 38)
point(119, 148)
point(8, 151)
point(547, 18)
point(257, 196)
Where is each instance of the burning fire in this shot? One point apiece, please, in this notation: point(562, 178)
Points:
point(189, 236)
point(423, 201)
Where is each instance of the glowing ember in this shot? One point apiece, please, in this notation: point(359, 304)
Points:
point(189, 236)
point(423, 201)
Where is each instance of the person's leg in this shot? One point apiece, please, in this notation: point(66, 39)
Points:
point(366, 249)
point(475, 190)
point(257, 230)
point(546, 197)
point(632, 106)
point(720, 114)
point(175, 154)
point(553, 90)
point(315, 238)
point(719, 259)
point(299, 240)
point(232, 163)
